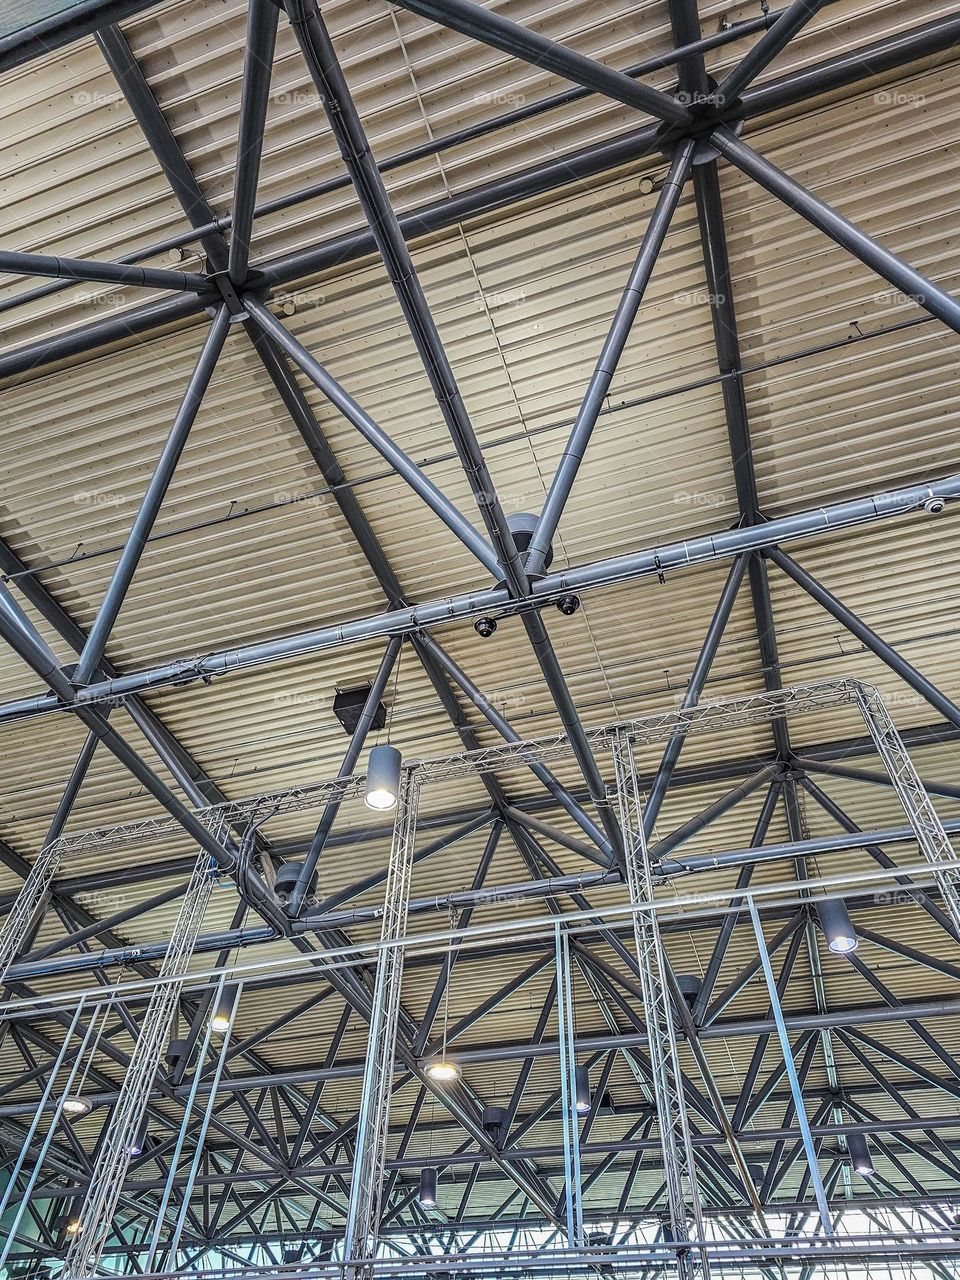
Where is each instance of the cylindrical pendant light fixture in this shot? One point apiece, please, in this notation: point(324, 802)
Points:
point(860, 1156)
point(583, 1100)
point(383, 777)
point(223, 1005)
point(135, 1145)
point(74, 1107)
point(837, 926)
point(428, 1187)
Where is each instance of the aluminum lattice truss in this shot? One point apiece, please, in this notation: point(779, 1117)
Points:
point(684, 1197)
point(89, 690)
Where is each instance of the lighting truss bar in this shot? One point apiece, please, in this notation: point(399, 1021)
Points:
point(738, 1028)
point(698, 550)
point(714, 716)
point(570, 1121)
point(114, 1155)
point(679, 1166)
point(924, 819)
point(38, 885)
point(373, 1123)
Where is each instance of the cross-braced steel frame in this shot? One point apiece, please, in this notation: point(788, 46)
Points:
point(684, 1198)
point(695, 127)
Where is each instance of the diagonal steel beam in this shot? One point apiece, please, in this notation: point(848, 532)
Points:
point(490, 27)
point(866, 635)
point(610, 354)
point(791, 20)
point(153, 497)
point(698, 678)
point(729, 922)
point(329, 80)
point(918, 895)
point(350, 758)
point(540, 771)
point(850, 237)
point(140, 99)
point(262, 17)
point(405, 467)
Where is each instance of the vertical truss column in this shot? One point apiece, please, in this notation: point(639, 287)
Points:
point(123, 1126)
point(36, 888)
point(31, 898)
point(932, 838)
point(366, 1188)
point(679, 1170)
point(572, 1184)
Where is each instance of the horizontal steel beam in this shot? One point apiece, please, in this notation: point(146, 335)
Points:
point(70, 22)
point(57, 268)
point(650, 562)
point(846, 69)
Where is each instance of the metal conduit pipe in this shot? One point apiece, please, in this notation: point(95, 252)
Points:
point(794, 849)
point(702, 549)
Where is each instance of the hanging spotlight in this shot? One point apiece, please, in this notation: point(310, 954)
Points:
point(837, 926)
point(581, 1077)
point(383, 777)
point(136, 1144)
point(71, 1221)
point(75, 1107)
point(428, 1188)
point(223, 1009)
point(859, 1153)
point(443, 1071)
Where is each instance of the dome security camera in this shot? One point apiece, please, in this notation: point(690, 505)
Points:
point(933, 506)
point(568, 605)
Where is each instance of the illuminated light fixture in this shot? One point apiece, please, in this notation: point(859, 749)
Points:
point(837, 926)
point(75, 1107)
point(383, 777)
point(428, 1188)
point(443, 1071)
point(859, 1154)
point(223, 1007)
point(581, 1080)
point(72, 1221)
point(135, 1145)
